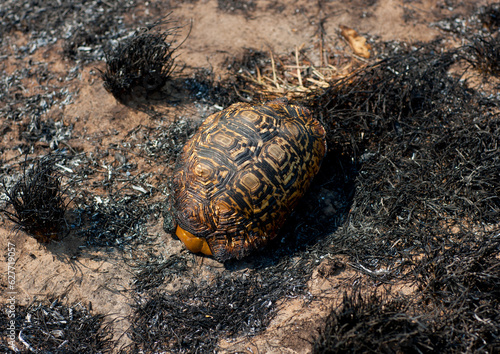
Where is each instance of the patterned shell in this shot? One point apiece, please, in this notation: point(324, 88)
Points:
point(243, 172)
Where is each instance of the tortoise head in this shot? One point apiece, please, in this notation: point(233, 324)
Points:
point(193, 243)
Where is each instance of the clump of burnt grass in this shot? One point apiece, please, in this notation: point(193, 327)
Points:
point(426, 147)
point(144, 60)
point(364, 324)
point(456, 270)
point(455, 311)
point(51, 327)
point(200, 314)
point(459, 284)
point(484, 55)
point(426, 202)
point(38, 201)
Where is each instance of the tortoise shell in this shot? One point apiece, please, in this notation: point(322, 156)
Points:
point(241, 175)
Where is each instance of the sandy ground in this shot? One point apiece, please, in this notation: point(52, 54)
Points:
point(100, 123)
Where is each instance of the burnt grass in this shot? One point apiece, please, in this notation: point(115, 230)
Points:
point(410, 182)
point(426, 147)
point(53, 327)
point(145, 60)
point(37, 201)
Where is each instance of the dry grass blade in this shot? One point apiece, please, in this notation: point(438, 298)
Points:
point(293, 79)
